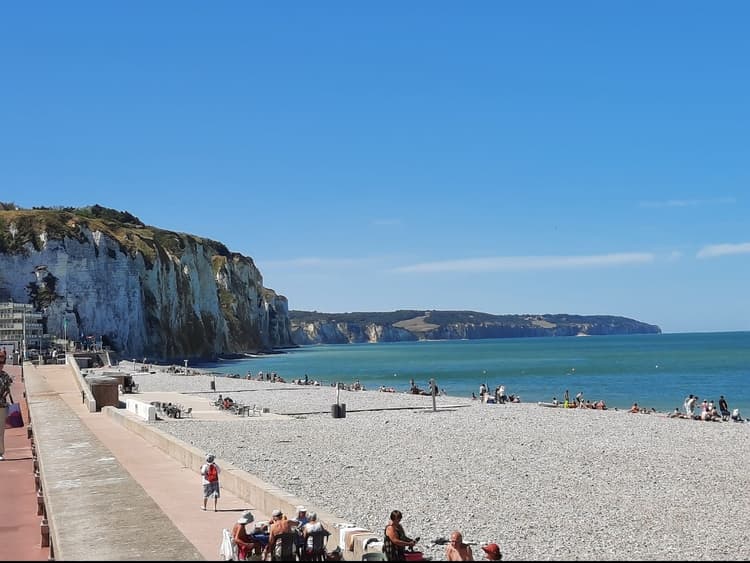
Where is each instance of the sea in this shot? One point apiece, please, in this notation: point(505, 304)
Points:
point(657, 371)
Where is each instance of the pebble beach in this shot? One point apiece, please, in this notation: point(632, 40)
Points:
point(544, 483)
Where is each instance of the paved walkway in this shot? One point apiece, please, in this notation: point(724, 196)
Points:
point(175, 488)
point(20, 535)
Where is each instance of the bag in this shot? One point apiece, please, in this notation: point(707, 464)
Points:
point(212, 474)
point(14, 418)
point(412, 554)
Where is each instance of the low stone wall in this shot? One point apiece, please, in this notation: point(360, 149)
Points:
point(140, 409)
point(86, 395)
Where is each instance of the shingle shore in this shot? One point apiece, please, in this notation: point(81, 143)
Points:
point(543, 483)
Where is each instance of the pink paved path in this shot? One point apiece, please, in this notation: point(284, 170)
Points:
point(176, 489)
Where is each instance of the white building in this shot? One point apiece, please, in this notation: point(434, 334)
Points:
point(21, 327)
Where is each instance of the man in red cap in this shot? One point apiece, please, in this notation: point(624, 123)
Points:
point(492, 552)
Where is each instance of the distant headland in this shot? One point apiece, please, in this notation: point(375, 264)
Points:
point(311, 327)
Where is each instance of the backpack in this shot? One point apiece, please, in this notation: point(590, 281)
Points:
point(212, 474)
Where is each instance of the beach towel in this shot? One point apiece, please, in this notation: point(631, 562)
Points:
point(227, 546)
point(14, 418)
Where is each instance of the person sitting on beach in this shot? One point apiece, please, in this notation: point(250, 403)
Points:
point(676, 413)
point(600, 405)
point(515, 398)
point(492, 552)
point(555, 401)
point(246, 544)
point(634, 408)
point(281, 525)
point(395, 540)
point(736, 416)
point(313, 527)
point(300, 521)
point(457, 550)
point(502, 395)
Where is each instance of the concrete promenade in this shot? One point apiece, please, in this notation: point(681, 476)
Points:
point(101, 478)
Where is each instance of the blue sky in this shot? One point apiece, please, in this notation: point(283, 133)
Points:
point(505, 157)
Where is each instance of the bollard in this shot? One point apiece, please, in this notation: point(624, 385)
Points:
point(39, 503)
point(45, 532)
point(29, 433)
point(37, 481)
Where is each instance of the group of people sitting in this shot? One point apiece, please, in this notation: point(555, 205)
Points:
point(396, 544)
point(225, 403)
point(266, 539)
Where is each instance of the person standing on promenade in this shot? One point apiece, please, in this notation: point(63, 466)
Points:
point(5, 398)
point(457, 550)
point(210, 480)
point(395, 540)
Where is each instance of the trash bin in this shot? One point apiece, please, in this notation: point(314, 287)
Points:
point(338, 411)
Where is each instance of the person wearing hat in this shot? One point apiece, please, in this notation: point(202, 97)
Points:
point(457, 550)
point(280, 526)
point(301, 521)
point(210, 480)
point(492, 552)
point(246, 544)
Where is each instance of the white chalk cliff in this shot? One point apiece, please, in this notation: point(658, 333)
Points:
point(146, 291)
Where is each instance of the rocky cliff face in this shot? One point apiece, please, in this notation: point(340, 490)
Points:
point(399, 326)
point(145, 291)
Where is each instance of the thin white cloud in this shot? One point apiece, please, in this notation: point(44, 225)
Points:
point(528, 263)
point(687, 202)
point(715, 250)
point(674, 256)
point(386, 222)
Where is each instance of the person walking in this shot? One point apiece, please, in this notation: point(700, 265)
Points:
point(724, 408)
point(5, 398)
point(210, 480)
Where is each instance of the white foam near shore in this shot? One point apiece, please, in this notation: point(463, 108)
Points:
point(543, 483)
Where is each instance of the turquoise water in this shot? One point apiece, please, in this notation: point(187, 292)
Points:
point(654, 370)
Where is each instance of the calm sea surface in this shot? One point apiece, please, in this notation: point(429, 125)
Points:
point(654, 370)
